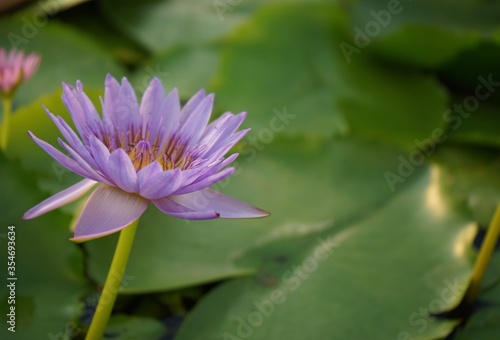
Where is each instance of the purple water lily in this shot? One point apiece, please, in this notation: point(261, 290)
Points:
point(142, 153)
point(15, 68)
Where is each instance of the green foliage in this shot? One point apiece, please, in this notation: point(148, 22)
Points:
point(369, 145)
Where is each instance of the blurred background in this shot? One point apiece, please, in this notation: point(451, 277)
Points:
point(375, 145)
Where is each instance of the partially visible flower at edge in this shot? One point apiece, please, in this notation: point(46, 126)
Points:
point(16, 68)
point(142, 153)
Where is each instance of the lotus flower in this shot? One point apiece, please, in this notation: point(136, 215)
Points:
point(16, 68)
point(137, 154)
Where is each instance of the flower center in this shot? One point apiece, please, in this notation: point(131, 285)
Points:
point(173, 155)
point(141, 154)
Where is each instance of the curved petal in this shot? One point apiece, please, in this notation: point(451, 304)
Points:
point(61, 158)
point(150, 106)
point(145, 174)
point(108, 209)
point(127, 107)
point(100, 153)
point(111, 88)
point(220, 130)
point(225, 206)
point(206, 182)
point(191, 105)
point(61, 198)
point(197, 121)
point(168, 115)
point(92, 174)
point(75, 108)
point(172, 208)
point(121, 171)
point(191, 178)
point(161, 184)
point(66, 131)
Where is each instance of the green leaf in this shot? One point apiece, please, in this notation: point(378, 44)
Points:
point(123, 327)
point(159, 24)
point(375, 276)
point(421, 33)
point(48, 267)
point(291, 57)
point(187, 68)
point(120, 46)
point(163, 24)
point(67, 55)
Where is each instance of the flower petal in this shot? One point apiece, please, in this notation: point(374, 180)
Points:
point(225, 206)
point(111, 88)
point(71, 137)
point(61, 158)
point(172, 208)
point(92, 174)
point(197, 121)
point(147, 172)
point(169, 114)
point(206, 182)
point(100, 153)
point(108, 210)
point(122, 171)
point(219, 130)
point(61, 198)
point(82, 110)
point(191, 105)
point(161, 184)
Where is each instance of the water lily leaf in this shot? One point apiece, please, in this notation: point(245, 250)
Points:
point(422, 33)
point(48, 267)
point(174, 66)
point(160, 24)
point(289, 58)
point(376, 276)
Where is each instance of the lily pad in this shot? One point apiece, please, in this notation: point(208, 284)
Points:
point(187, 68)
point(376, 276)
point(159, 24)
point(288, 58)
point(422, 33)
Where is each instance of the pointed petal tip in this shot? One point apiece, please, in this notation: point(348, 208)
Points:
point(254, 213)
point(61, 198)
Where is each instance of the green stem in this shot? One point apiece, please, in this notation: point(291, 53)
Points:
point(7, 106)
point(484, 256)
point(113, 282)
